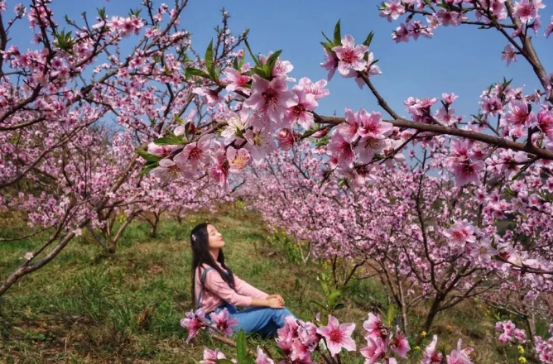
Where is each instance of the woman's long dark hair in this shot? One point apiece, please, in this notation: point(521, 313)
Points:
point(199, 240)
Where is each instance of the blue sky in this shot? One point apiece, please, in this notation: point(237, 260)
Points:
point(463, 60)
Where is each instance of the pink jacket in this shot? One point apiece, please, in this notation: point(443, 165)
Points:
point(216, 291)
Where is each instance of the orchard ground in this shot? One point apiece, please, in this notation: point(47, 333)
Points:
point(85, 307)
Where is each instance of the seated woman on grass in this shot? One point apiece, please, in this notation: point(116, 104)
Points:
point(216, 288)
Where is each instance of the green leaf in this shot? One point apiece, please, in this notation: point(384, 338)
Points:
point(328, 39)
point(324, 284)
point(147, 156)
point(369, 39)
point(270, 64)
point(390, 314)
point(187, 129)
point(241, 348)
point(339, 306)
point(209, 58)
point(334, 296)
point(147, 168)
point(222, 361)
point(327, 46)
point(337, 34)
point(169, 141)
point(261, 72)
point(196, 72)
point(101, 12)
point(318, 303)
point(323, 141)
point(255, 59)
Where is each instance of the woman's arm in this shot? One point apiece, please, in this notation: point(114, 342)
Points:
point(246, 289)
point(270, 302)
point(217, 285)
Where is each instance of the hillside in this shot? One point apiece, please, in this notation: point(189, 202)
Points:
point(89, 308)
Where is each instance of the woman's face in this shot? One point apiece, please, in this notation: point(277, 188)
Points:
point(215, 238)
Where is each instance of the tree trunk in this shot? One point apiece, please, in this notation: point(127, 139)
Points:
point(27, 267)
point(113, 242)
point(153, 226)
point(430, 318)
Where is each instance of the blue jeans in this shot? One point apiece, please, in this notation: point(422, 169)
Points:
point(261, 320)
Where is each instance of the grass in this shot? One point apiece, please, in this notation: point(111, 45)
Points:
point(87, 308)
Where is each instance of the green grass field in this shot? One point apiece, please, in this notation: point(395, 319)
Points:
point(88, 308)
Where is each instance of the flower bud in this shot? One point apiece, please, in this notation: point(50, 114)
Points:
point(285, 138)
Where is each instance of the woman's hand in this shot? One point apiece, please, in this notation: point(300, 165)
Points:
point(274, 302)
point(277, 296)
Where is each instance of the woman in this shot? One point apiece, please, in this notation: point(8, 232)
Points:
point(215, 288)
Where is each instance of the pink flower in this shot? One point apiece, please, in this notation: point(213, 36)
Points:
point(549, 28)
point(447, 18)
point(167, 171)
point(337, 336)
point(282, 68)
point(350, 127)
point(260, 143)
point(447, 116)
point(223, 322)
point(261, 358)
point(189, 119)
point(316, 89)
point(375, 350)
point(545, 122)
point(373, 326)
point(350, 56)
point(237, 159)
point(287, 334)
point(220, 170)
point(212, 96)
point(467, 172)
point(400, 345)
point(301, 112)
point(341, 148)
point(300, 351)
point(285, 139)
point(235, 81)
point(520, 335)
point(392, 10)
point(460, 233)
point(210, 355)
point(504, 338)
point(526, 10)
point(509, 54)
point(367, 148)
point(371, 125)
point(519, 114)
point(449, 98)
point(270, 97)
point(430, 355)
point(236, 125)
point(401, 34)
point(308, 334)
point(459, 356)
point(492, 105)
point(194, 322)
point(162, 150)
point(194, 153)
point(330, 63)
